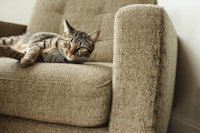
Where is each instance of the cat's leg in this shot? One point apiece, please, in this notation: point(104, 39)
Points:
point(32, 54)
point(1, 51)
point(12, 53)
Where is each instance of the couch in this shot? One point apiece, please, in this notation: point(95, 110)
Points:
point(126, 86)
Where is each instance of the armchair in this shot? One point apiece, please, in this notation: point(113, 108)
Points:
point(126, 87)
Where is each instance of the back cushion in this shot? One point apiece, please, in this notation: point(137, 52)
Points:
point(85, 15)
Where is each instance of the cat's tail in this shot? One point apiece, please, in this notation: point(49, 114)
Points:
point(7, 41)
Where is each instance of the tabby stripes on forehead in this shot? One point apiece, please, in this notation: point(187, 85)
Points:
point(79, 36)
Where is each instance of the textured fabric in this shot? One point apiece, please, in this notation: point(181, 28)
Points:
point(10, 29)
point(61, 93)
point(145, 53)
point(86, 15)
point(18, 125)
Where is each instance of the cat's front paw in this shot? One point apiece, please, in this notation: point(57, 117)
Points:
point(3, 48)
point(26, 62)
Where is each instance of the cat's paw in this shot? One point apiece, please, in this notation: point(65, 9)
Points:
point(26, 62)
point(3, 49)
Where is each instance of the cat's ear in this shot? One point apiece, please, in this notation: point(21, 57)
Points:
point(68, 29)
point(94, 36)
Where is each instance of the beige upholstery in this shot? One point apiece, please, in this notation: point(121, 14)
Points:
point(131, 94)
point(19, 125)
point(10, 29)
point(143, 79)
point(59, 93)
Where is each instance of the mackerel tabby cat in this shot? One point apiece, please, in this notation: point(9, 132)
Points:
point(72, 47)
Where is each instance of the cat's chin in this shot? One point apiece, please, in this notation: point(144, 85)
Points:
point(71, 58)
point(76, 60)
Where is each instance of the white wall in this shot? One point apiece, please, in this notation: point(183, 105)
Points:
point(185, 15)
point(17, 11)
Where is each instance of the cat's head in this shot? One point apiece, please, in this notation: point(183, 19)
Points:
point(78, 45)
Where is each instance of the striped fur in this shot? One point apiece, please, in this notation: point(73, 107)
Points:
point(71, 47)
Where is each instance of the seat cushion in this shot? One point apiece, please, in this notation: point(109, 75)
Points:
point(20, 125)
point(60, 93)
point(86, 15)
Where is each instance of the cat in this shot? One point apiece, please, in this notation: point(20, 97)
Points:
point(73, 46)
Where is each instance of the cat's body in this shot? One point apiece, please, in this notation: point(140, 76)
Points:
point(49, 43)
point(72, 47)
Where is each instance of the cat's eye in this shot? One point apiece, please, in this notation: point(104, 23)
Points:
point(67, 41)
point(82, 48)
point(68, 46)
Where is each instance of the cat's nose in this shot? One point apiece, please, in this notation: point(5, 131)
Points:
point(71, 51)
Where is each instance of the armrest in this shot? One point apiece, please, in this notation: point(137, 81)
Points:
point(10, 29)
point(144, 66)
